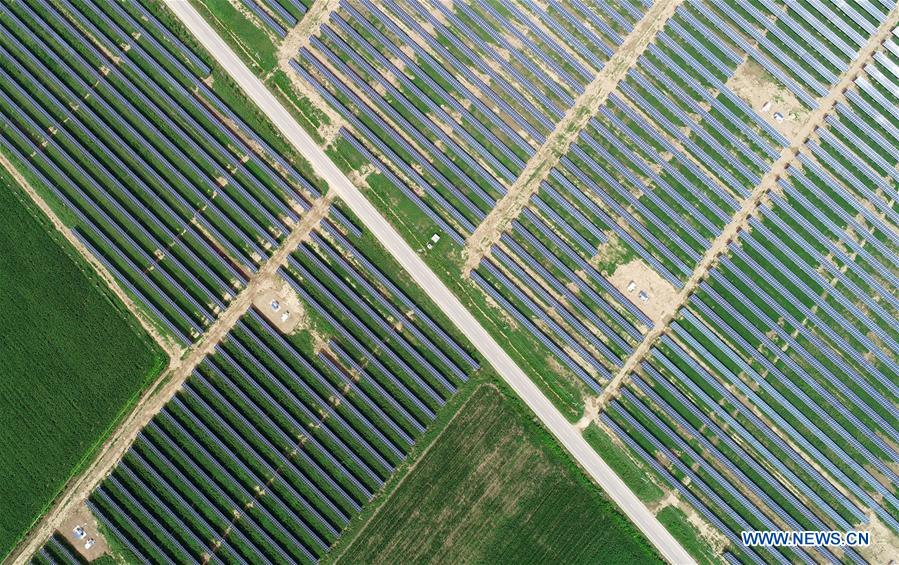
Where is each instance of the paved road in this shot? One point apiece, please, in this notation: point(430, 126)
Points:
point(564, 431)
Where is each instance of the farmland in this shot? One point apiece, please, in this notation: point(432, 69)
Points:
point(493, 488)
point(178, 195)
point(72, 363)
point(770, 402)
point(678, 218)
point(353, 57)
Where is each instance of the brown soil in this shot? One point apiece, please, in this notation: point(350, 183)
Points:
point(749, 206)
point(547, 156)
point(884, 542)
point(297, 38)
point(81, 516)
point(661, 294)
point(80, 488)
point(714, 538)
point(290, 315)
point(757, 87)
point(591, 414)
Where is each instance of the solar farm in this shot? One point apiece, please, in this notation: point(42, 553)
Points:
point(677, 218)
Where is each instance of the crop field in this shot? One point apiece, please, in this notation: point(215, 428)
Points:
point(71, 361)
point(164, 182)
point(278, 439)
point(682, 214)
point(494, 488)
point(799, 308)
point(622, 220)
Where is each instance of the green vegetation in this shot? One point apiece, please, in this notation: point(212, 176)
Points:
point(248, 39)
point(71, 364)
point(630, 472)
point(495, 487)
point(686, 533)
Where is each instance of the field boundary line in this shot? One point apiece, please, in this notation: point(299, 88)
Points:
point(169, 346)
point(415, 464)
point(169, 383)
point(750, 205)
point(557, 142)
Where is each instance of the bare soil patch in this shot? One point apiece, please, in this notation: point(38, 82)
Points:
point(768, 98)
point(556, 144)
point(707, 532)
point(637, 280)
point(277, 302)
point(81, 516)
point(884, 542)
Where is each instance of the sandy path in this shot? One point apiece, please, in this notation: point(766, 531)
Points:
point(574, 120)
point(768, 182)
point(568, 436)
point(297, 38)
point(80, 488)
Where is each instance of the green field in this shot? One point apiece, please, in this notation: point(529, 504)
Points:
point(686, 533)
point(71, 363)
point(495, 488)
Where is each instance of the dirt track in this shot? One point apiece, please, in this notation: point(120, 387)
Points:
point(297, 38)
point(749, 206)
point(165, 388)
point(556, 144)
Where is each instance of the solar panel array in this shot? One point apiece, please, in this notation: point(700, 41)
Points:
point(166, 185)
point(57, 551)
point(446, 99)
point(770, 403)
point(274, 444)
point(798, 317)
point(658, 172)
point(278, 15)
point(776, 384)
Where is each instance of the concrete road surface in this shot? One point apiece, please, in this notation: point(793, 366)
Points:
point(564, 431)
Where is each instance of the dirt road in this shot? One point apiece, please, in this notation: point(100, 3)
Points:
point(749, 206)
point(165, 388)
point(556, 144)
point(566, 433)
point(172, 348)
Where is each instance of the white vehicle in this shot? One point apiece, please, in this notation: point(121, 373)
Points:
point(90, 543)
point(79, 532)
